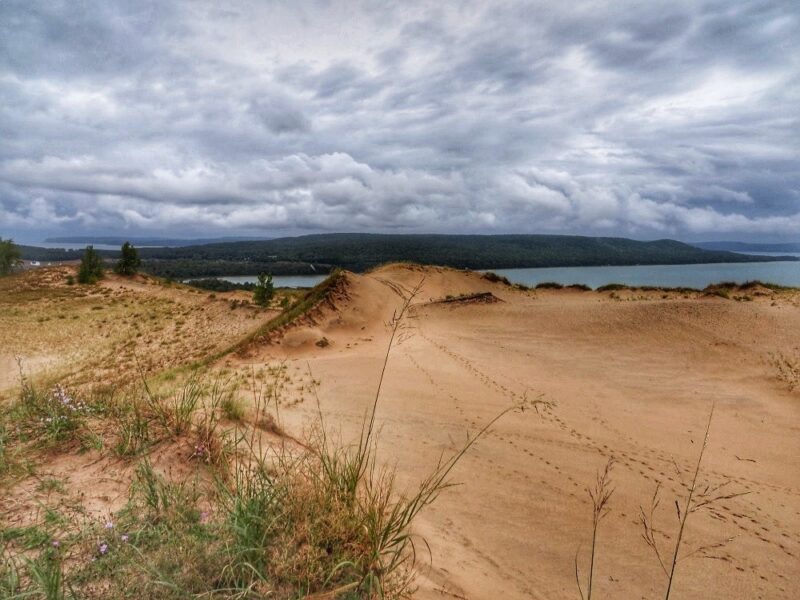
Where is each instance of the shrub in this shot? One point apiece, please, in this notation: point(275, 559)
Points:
point(549, 285)
point(495, 278)
point(9, 256)
point(129, 261)
point(612, 287)
point(91, 268)
point(264, 290)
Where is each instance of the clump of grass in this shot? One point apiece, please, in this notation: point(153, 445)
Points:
point(47, 577)
point(51, 417)
point(176, 413)
point(549, 285)
point(233, 408)
point(163, 501)
point(132, 419)
point(581, 287)
point(721, 292)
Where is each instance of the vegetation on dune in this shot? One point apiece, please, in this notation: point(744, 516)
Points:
point(129, 261)
point(265, 516)
point(9, 256)
point(264, 290)
point(91, 267)
point(299, 308)
point(220, 285)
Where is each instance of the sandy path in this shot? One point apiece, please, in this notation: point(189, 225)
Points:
point(632, 380)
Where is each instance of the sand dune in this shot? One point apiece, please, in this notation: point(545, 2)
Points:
point(630, 375)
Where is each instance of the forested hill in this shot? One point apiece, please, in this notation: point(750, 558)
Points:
point(359, 252)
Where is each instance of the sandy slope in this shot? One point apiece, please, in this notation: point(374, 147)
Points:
point(631, 377)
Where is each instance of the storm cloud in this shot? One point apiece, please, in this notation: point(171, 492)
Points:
point(653, 119)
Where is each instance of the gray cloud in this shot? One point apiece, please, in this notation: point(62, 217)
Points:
point(670, 118)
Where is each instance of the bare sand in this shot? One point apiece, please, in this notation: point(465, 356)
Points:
point(631, 376)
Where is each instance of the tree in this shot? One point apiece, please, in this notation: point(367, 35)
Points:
point(129, 262)
point(91, 268)
point(264, 290)
point(9, 256)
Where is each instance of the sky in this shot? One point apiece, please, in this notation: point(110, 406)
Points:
point(652, 119)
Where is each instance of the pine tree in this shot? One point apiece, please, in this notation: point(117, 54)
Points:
point(129, 262)
point(91, 268)
point(9, 256)
point(262, 295)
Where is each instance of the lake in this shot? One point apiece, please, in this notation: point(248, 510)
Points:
point(694, 276)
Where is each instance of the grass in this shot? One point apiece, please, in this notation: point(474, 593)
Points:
point(699, 496)
point(600, 497)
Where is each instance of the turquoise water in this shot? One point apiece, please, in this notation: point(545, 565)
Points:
point(695, 276)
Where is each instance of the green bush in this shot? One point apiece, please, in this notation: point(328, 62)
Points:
point(91, 269)
point(9, 256)
point(129, 261)
point(264, 291)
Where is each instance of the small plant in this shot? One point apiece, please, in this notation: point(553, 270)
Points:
point(133, 428)
point(264, 290)
point(698, 497)
point(70, 280)
point(47, 577)
point(176, 414)
point(600, 496)
point(52, 417)
point(233, 408)
point(164, 501)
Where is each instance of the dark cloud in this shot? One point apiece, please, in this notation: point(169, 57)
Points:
point(648, 119)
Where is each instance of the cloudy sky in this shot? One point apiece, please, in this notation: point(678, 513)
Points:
point(643, 119)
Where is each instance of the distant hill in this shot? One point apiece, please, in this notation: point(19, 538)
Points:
point(360, 252)
point(749, 247)
point(145, 241)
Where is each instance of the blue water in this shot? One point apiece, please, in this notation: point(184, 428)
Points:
point(695, 276)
